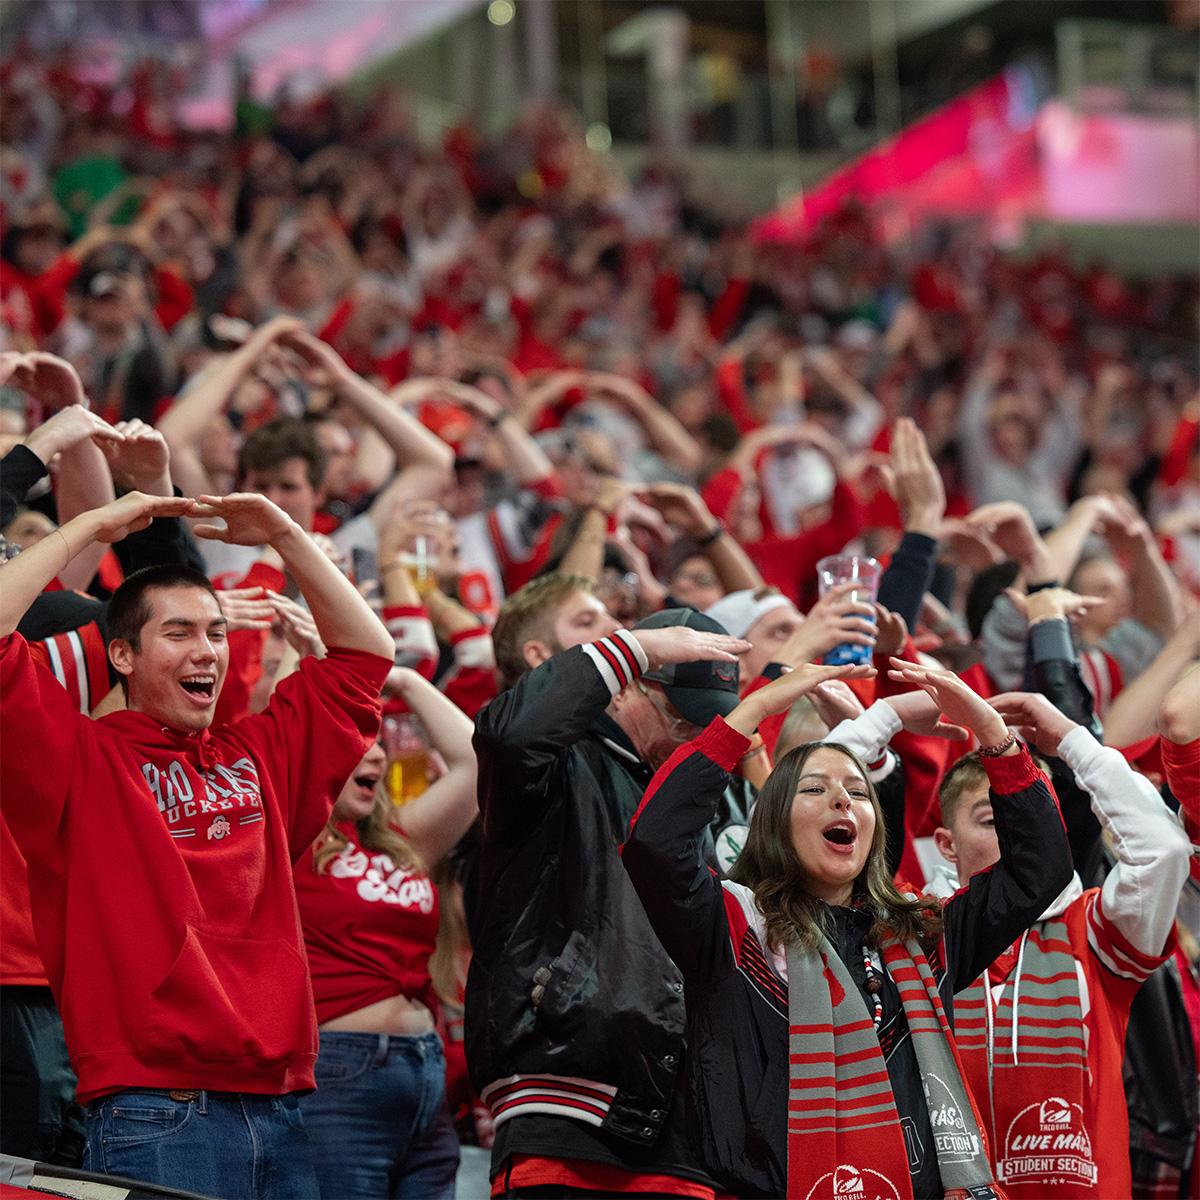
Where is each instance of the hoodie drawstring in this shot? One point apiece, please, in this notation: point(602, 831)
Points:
point(1016, 1025)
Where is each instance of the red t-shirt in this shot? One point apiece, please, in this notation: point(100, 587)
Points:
point(369, 927)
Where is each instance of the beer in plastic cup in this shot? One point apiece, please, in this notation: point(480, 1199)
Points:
point(407, 749)
point(843, 568)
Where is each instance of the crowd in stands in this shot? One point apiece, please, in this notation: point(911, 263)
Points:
point(320, 442)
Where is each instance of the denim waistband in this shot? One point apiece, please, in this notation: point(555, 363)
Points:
point(201, 1097)
point(384, 1044)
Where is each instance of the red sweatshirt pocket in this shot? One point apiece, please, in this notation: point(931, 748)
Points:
point(227, 998)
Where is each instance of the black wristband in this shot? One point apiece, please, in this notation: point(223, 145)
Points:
point(1030, 588)
point(711, 536)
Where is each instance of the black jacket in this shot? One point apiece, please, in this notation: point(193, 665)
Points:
point(737, 1068)
point(568, 979)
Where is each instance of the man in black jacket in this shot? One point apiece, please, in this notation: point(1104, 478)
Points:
point(575, 1016)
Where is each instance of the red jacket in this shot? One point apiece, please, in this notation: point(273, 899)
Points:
point(160, 870)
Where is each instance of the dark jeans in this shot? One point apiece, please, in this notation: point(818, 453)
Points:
point(39, 1118)
point(230, 1145)
point(378, 1121)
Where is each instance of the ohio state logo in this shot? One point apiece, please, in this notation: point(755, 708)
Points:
point(1047, 1143)
point(849, 1182)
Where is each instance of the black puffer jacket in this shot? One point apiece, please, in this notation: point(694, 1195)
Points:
point(572, 1005)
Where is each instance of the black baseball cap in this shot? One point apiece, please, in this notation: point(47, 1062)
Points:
point(699, 691)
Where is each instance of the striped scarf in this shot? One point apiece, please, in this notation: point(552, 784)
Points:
point(844, 1134)
point(1035, 1063)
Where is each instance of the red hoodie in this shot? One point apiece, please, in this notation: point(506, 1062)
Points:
point(160, 870)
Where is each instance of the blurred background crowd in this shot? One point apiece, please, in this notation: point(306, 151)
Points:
point(533, 286)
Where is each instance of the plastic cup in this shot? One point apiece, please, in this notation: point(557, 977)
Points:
point(407, 749)
point(845, 568)
point(417, 558)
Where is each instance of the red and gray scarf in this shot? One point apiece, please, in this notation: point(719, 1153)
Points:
point(844, 1136)
point(1029, 1046)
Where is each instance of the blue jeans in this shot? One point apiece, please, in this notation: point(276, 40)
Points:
point(232, 1145)
point(378, 1122)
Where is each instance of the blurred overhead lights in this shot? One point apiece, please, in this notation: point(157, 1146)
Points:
point(500, 12)
point(598, 137)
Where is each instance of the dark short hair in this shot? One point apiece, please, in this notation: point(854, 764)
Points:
point(279, 440)
point(129, 607)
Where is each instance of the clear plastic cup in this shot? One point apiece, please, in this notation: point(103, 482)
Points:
point(407, 747)
point(845, 568)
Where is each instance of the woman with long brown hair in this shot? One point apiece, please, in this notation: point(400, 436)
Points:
point(378, 1123)
point(820, 1059)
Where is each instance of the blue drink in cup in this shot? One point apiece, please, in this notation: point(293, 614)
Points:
point(844, 568)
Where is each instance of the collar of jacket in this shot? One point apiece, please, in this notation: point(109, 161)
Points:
point(617, 740)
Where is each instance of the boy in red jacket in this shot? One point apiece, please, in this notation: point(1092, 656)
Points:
point(160, 853)
point(1042, 1033)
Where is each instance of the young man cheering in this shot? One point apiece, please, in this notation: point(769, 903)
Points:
point(160, 852)
point(1042, 1032)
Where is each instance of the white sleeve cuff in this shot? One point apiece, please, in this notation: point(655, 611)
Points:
point(619, 658)
point(869, 733)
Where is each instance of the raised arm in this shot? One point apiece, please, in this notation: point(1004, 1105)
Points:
point(1052, 661)
point(343, 618)
point(1179, 713)
point(1155, 597)
point(984, 918)
point(1140, 894)
point(409, 440)
point(521, 735)
point(525, 462)
point(666, 434)
point(22, 579)
point(1179, 723)
point(684, 507)
point(1133, 713)
point(541, 396)
point(866, 412)
point(919, 492)
point(83, 481)
point(435, 820)
point(585, 554)
point(184, 423)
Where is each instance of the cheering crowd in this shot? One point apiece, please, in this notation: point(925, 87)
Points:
point(330, 457)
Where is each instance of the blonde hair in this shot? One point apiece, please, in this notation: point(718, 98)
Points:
point(376, 831)
point(529, 613)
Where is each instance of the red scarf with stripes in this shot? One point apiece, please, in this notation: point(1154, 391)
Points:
point(844, 1136)
point(1028, 1044)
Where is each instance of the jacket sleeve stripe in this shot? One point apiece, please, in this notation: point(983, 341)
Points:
point(619, 659)
point(606, 665)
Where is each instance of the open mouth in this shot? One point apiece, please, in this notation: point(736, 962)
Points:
point(367, 782)
point(201, 688)
point(841, 835)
